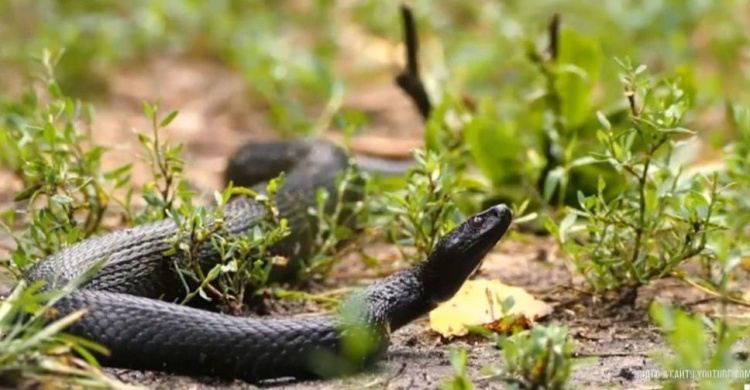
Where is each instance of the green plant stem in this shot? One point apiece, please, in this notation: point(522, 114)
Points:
point(198, 270)
point(162, 165)
point(713, 293)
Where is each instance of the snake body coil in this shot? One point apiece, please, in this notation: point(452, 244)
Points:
point(142, 332)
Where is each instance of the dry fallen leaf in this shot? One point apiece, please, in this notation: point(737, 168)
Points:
point(479, 303)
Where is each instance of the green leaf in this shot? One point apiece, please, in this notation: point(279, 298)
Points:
point(525, 218)
point(54, 90)
point(603, 120)
point(218, 198)
point(144, 140)
point(581, 161)
point(89, 112)
point(27, 192)
point(581, 199)
point(204, 295)
point(62, 199)
point(48, 331)
point(552, 181)
point(118, 173)
point(550, 225)
point(494, 147)
point(679, 130)
point(150, 109)
point(583, 54)
point(168, 119)
point(566, 224)
point(457, 357)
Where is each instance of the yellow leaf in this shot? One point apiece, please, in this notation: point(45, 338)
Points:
point(479, 303)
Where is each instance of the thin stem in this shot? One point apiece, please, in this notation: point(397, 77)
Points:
point(554, 37)
point(708, 291)
point(641, 212)
point(162, 165)
point(642, 182)
point(552, 138)
point(196, 267)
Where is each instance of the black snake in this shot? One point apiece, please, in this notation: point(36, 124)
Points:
point(141, 331)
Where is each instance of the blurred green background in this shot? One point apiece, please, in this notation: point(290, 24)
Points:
point(296, 57)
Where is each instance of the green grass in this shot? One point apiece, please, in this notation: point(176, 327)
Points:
point(34, 347)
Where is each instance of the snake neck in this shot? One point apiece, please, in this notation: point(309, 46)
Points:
point(392, 302)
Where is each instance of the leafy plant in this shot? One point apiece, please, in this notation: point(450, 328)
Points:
point(539, 358)
point(167, 190)
point(360, 341)
point(244, 262)
point(570, 71)
point(46, 142)
point(418, 216)
point(693, 352)
point(460, 379)
point(728, 247)
point(659, 220)
point(514, 161)
point(737, 173)
point(337, 225)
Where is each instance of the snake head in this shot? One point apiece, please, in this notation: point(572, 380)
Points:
point(460, 252)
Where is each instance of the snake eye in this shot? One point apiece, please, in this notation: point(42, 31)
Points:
point(476, 222)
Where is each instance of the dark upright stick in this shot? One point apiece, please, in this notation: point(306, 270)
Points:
point(408, 80)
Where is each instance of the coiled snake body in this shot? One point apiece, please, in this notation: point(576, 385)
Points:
point(142, 332)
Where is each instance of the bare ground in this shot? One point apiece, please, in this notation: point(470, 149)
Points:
point(216, 117)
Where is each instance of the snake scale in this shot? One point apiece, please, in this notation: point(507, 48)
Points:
point(127, 302)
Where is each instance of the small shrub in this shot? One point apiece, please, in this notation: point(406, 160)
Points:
point(661, 219)
point(418, 216)
point(337, 225)
point(243, 262)
point(167, 190)
point(46, 142)
point(539, 358)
